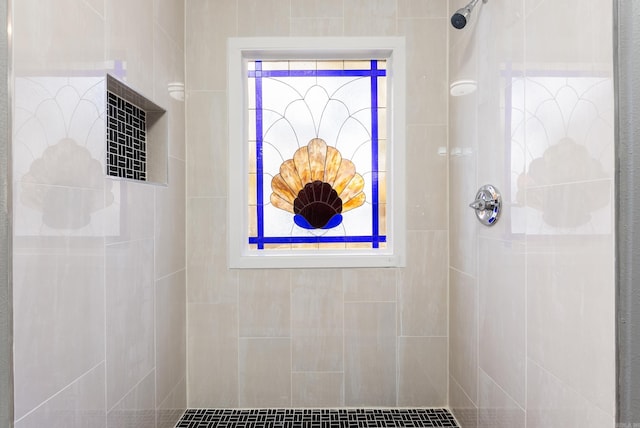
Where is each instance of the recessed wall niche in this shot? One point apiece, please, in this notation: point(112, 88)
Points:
point(136, 135)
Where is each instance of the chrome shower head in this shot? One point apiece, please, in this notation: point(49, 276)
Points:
point(460, 18)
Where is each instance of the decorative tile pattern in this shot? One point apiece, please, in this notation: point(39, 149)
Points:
point(316, 418)
point(126, 139)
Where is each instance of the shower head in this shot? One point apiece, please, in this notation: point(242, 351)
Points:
point(460, 18)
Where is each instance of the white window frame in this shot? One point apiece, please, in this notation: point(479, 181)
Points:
point(240, 50)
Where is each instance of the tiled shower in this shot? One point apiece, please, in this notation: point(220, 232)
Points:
point(125, 312)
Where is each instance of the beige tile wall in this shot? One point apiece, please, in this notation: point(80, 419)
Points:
point(100, 310)
point(363, 337)
point(532, 314)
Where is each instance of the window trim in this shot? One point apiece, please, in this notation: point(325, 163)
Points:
point(242, 49)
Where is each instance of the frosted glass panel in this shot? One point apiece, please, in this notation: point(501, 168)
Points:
point(313, 135)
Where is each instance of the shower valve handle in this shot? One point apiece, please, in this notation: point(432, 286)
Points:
point(487, 205)
point(481, 205)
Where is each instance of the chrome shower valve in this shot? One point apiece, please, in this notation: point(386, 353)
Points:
point(487, 205)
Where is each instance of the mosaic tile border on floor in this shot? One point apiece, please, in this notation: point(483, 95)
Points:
point(316, 418)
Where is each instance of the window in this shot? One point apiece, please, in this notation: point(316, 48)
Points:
point(319, 133)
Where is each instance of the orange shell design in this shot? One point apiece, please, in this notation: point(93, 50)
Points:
point(317, 183)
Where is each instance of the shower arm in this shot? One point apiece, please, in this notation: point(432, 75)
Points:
point(471, 5)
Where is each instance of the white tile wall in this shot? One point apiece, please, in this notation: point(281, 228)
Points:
point(130, 302)
point(542, 279)
point(99, 264)
point(463, 336)
point(264, 372)
point(80, 404)
point(59, 327)
point(213, 345)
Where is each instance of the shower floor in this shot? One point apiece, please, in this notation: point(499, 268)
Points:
point(316, 418)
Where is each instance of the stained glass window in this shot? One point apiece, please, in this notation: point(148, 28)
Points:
point(317, 154)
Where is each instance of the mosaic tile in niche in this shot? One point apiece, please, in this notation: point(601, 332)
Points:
point(126, 139)
point(136, 135)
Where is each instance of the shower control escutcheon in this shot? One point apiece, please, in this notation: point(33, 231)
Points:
point(488, 204)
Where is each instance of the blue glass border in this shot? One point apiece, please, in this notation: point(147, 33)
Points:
point(375, 238)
